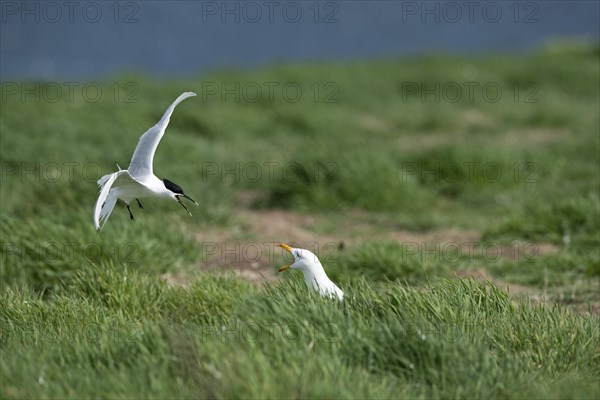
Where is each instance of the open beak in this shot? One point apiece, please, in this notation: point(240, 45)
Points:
point(190, 199)
point(183, 205)
point(289, 249)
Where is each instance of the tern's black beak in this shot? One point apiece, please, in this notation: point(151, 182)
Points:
point(189, 198)
point(178, 197)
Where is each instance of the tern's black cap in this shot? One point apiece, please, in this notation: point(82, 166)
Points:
point(173, 187)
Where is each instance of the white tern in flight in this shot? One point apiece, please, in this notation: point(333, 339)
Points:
point(138, 180)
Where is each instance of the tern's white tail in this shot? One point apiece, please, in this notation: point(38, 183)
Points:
point(102, 181)
point(106, 200)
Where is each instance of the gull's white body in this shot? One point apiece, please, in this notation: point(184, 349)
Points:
point(314, 274)
point(138, 180)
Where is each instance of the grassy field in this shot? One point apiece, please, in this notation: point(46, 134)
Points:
point(454, 200)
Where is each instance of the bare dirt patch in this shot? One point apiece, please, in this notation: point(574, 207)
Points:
point(176, 280)
point(519, 251)
point(373, 123)
point(474, 117)
point(284, 226)
point(536, 136)
point(425, 141)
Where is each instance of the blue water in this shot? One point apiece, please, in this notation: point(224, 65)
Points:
point(50, 40)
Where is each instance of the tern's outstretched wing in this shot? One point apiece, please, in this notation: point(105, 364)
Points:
point(108, 198)
point(141, 162)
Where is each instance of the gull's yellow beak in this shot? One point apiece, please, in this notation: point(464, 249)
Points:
point(288, 248)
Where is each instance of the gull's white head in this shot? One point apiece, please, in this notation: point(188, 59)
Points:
point(303, 259)
point(314, 274)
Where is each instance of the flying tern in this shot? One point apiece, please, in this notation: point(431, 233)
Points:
point(138, 180)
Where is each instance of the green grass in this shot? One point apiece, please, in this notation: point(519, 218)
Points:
point(85, 315)
point(118, 333)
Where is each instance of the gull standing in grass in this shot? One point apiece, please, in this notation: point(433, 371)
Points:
point(314, 274)
point(138, 180)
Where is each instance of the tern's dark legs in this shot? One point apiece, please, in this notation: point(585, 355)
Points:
point(139, 204)
point(130, 214)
